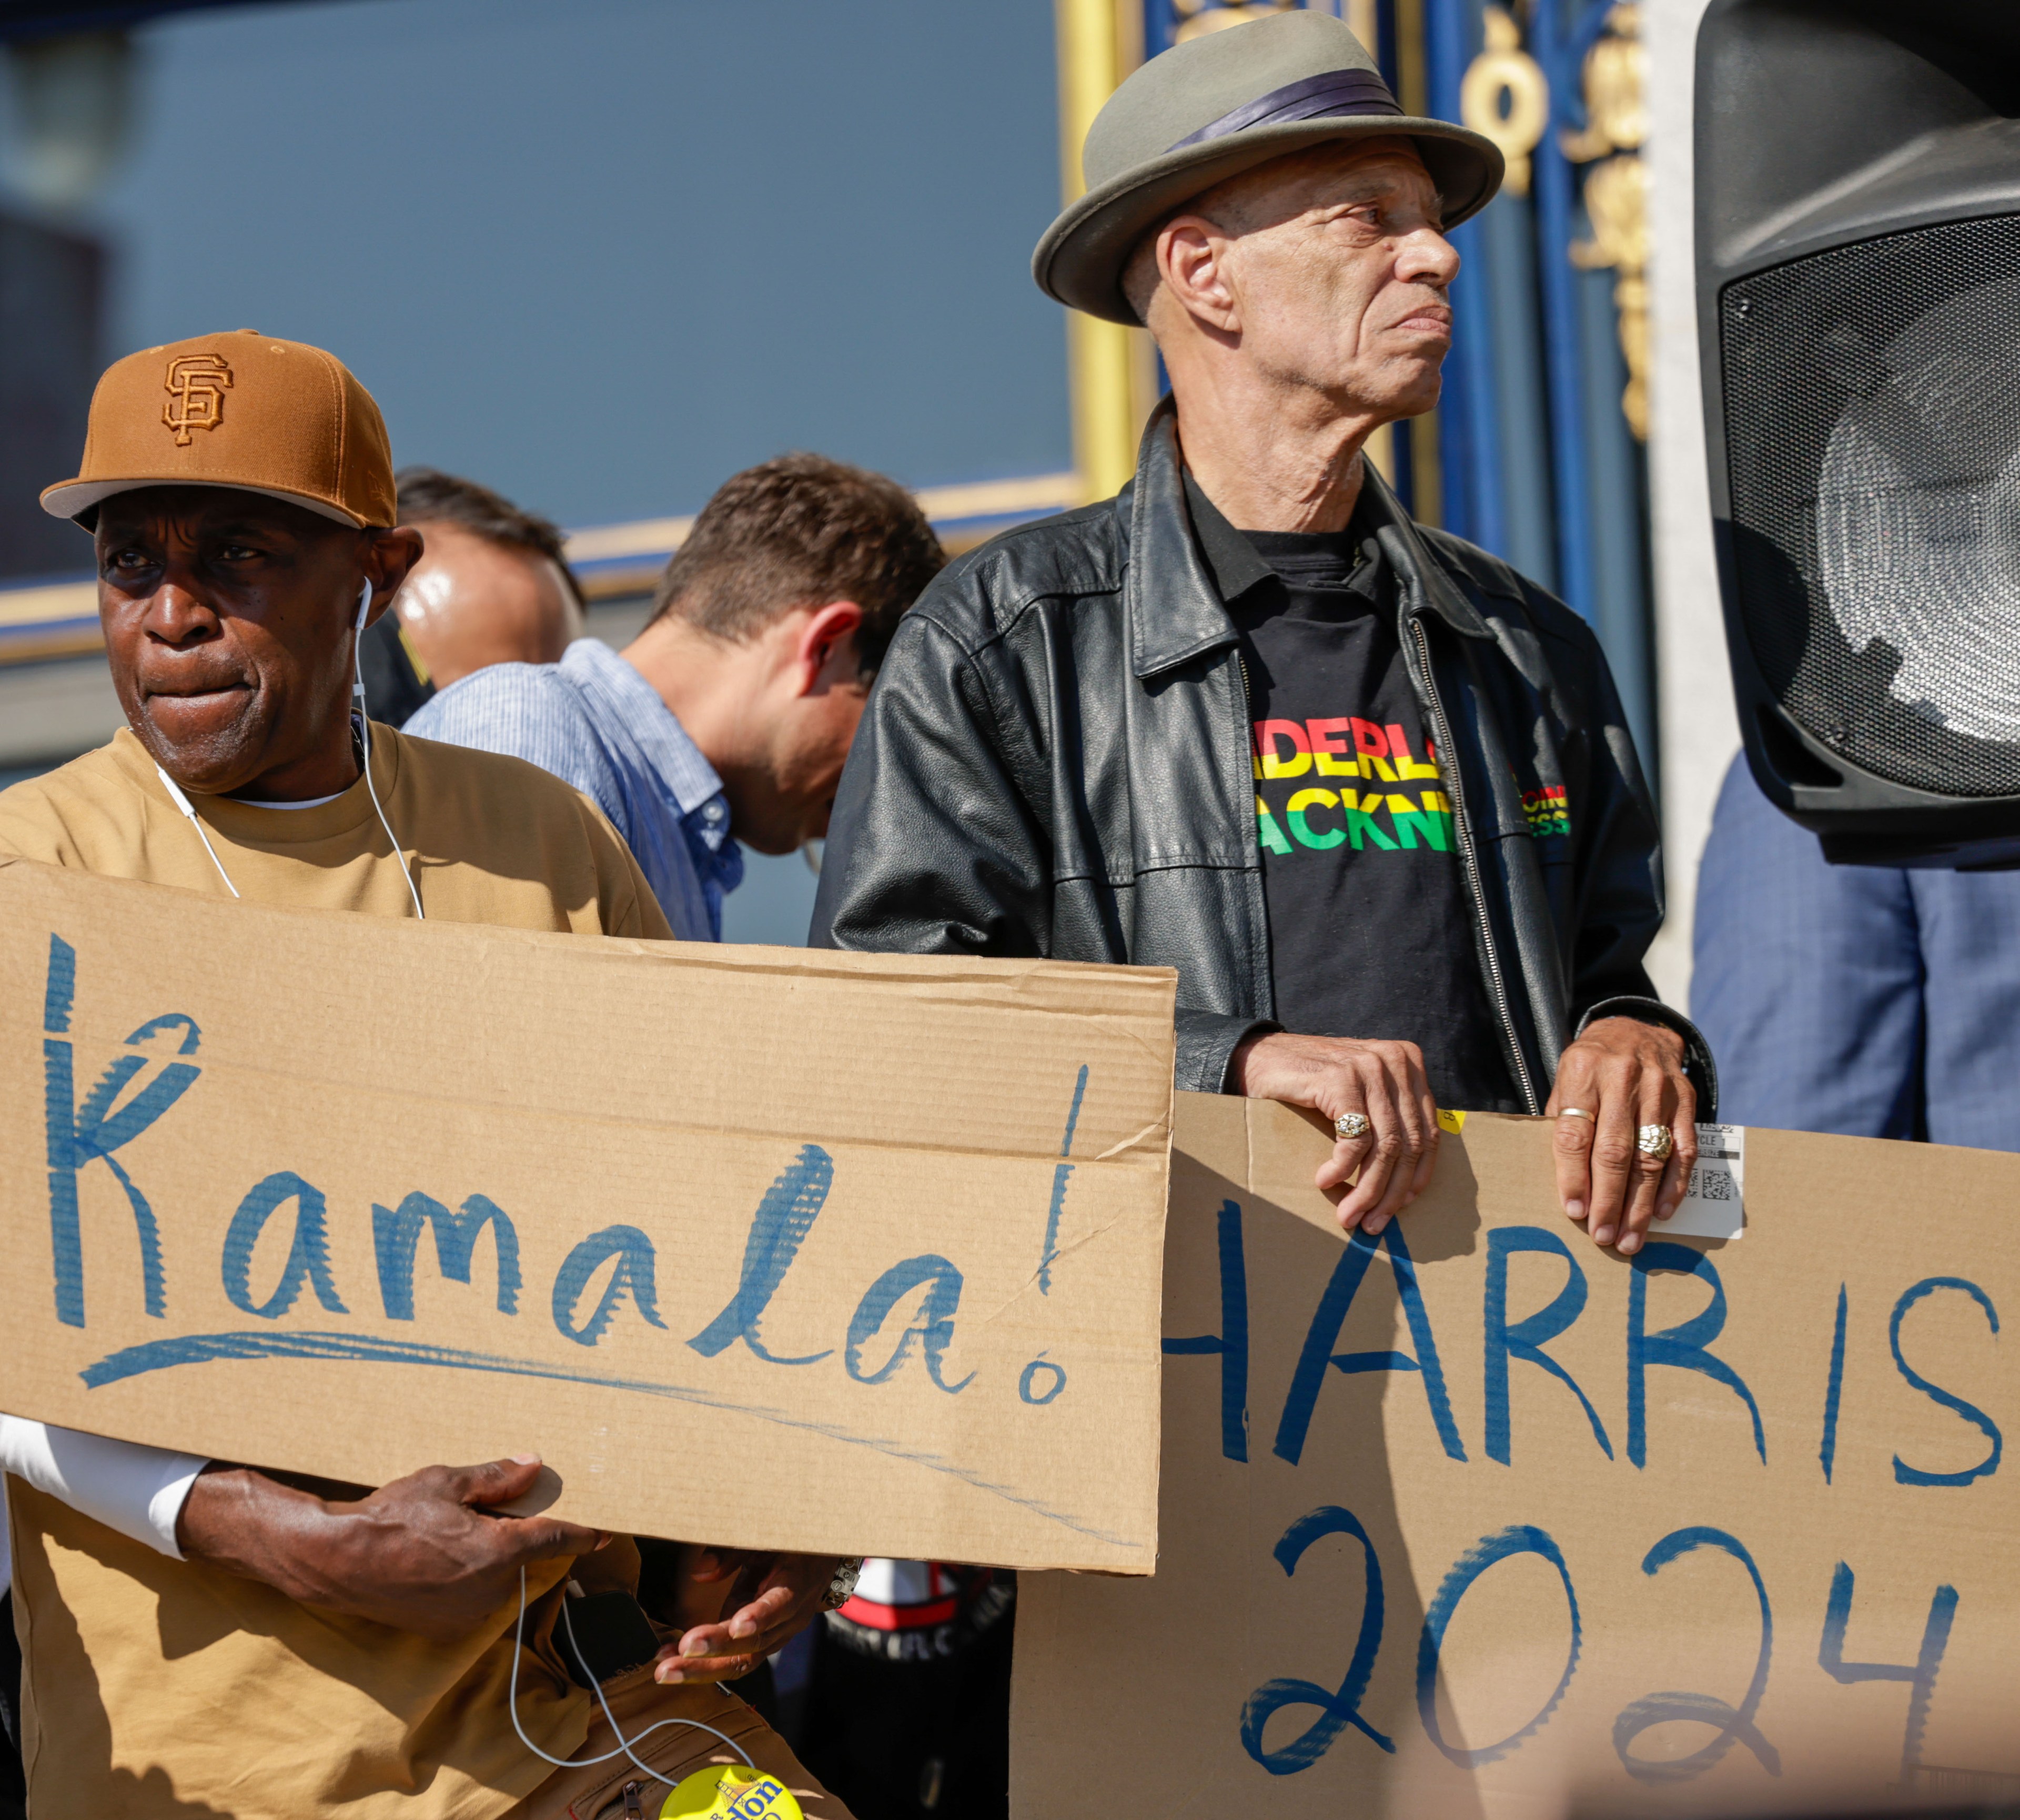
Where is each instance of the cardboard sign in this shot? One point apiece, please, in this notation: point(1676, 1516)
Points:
point(1483, 1521)
point(831, 1253)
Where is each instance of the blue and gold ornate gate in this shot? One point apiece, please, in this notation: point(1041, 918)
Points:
point(1536, 449)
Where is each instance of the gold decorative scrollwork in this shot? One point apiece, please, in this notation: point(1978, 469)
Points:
point(1616, 190)
point(1616, 86)
point(1504, 97)
point(1616, 198)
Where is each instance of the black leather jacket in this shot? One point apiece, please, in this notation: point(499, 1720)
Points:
point(1056, 761)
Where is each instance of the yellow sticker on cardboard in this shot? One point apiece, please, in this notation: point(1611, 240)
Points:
point(1454, 1122)
point(731, 1792)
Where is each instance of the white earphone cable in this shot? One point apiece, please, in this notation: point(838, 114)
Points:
point(182, 802)
point(624, 1745)
point(364, 724)
point(363, 720)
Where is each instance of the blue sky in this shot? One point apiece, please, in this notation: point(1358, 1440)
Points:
point(601, 253)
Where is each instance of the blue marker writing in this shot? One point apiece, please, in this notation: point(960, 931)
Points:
point(1337, 1708)
point(1323, 1335)
point(1231, 1343)
point(633, 1275)
point(78, 1135)
point(1734, 1725)
point(1519, 1538)
point(1525, 1339)
point(783, 1218)
point(1920, 1677)
point(396, 1233)
point(1062, 1173)
point(308, 1252)
point(1683, 1347)
point(933, 1326)
point(1904, 1474)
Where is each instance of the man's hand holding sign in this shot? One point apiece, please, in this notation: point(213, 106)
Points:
point(1625, 1109)
point(436, 1553)
point(429, 1553)
point(1626, 1133)
point(771, 1599)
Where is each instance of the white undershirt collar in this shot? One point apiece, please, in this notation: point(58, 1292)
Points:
point(313, 802)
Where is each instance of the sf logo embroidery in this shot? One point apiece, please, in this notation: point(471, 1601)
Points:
point(197, 383)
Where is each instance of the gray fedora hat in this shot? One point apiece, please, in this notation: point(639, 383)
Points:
point(1209, 109)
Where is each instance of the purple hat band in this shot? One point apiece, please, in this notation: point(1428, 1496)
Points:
point(1315, 98)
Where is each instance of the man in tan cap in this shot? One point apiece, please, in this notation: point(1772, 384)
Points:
point(205, 1638)
point(1370, 791)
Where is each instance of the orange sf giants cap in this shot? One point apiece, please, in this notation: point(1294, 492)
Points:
point(239, 410)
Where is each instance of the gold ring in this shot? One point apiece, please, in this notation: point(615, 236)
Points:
point(1655, 1141)
point(1575, 1112)
point(1351, 1126)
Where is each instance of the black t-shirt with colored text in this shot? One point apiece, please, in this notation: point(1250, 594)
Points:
point(1370, 925)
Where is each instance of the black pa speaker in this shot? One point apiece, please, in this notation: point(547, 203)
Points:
point(1858, 292)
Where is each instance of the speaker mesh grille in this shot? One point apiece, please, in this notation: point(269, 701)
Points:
point(1872, 415)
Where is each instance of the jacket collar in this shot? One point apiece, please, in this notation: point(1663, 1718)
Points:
point(1175, 612)
point(1231, 559)
point(1427, 584)
point(1175, 591)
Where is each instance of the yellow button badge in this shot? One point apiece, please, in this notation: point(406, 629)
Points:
point(731, 1792)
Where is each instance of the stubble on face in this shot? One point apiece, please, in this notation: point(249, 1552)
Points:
point(224, 629)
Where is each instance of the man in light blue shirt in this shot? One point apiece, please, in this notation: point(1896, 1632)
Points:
point(593, 719)
point(733, 710)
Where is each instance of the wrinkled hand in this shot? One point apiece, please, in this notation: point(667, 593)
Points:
point(1627, 1074)
point(422, 1554)
point(769, 1600)
point(1382, 1081)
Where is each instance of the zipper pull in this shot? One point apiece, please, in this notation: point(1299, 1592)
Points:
point(634, 1809)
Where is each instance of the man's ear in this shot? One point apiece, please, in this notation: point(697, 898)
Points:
point(389, 557)
point(1192, 260)
point(824, 654)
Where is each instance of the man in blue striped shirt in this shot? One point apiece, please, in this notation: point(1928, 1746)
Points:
point(732, 711)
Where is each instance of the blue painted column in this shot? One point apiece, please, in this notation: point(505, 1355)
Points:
point(1618, 475)
point(1508, 231)
point(1468, 415)
point(1597, 467)
point(1555, 44)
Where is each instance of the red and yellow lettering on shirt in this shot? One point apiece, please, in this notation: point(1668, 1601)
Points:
point(1319, 817)
point(1410, 811)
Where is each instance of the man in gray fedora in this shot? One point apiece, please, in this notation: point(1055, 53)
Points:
point(1369, 790)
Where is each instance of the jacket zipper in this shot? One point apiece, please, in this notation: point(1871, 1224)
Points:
point(1471, 860)
point(1248, 743)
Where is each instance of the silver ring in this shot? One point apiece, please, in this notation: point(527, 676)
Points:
point(1351, 1125)
point(1655, 1141)
point(841, 1588)
point(1575, 1112)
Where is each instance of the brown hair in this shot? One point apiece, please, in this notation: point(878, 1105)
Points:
point(801, 531)
point(429, 496)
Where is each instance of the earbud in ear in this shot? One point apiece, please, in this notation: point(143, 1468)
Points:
point(364, 606)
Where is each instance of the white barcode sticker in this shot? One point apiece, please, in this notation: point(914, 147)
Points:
point(1715, 1207)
